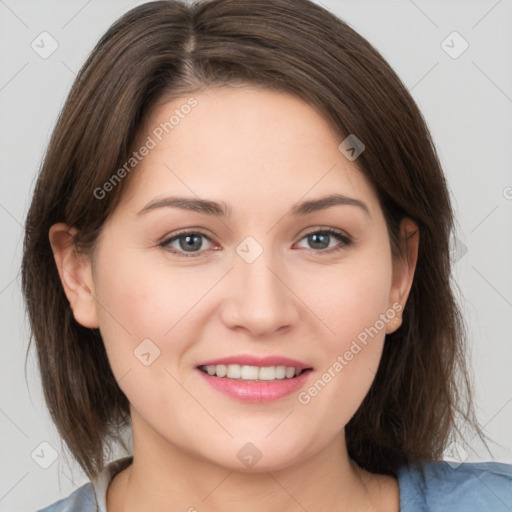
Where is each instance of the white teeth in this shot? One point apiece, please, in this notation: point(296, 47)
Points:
point(244, 372)
point(250, 372)
point(268, 373)
point(221, 370)
point(234, 371)
point(280, 372)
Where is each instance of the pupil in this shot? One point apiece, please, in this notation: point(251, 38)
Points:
point(324, 242)
point(190, 241)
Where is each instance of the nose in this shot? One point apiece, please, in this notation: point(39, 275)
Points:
point(259, 297)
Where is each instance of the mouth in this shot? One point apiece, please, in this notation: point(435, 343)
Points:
point(254, 379)
point(253, 373)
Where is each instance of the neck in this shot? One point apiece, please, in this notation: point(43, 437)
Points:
point(163, 478)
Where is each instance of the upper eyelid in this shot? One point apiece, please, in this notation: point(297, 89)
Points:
point(198, 231)
point(186, 232)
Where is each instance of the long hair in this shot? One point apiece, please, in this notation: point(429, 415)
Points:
point(169, 48)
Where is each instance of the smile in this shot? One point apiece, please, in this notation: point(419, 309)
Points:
point(257, 373)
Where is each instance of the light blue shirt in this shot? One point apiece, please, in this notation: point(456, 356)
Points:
point(443, 487)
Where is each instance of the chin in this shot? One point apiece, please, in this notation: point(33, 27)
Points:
point(258, 456)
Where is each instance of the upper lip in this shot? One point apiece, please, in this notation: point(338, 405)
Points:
point(250, 360)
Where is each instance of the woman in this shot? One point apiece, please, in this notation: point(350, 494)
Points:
point(240, 235)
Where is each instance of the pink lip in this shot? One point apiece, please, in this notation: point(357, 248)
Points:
point(248, 360)
point(256, 391)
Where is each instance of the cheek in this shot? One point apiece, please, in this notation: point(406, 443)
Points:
point(139, 290)
point(352, 303)
point(349, 298)
point(364, 298)
point(140, 299)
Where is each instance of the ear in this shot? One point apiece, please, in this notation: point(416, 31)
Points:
point(403, 271)
point(75, 273)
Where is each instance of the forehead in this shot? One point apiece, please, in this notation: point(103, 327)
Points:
point(244, 145)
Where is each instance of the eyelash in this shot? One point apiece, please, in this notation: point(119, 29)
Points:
point(332, 232)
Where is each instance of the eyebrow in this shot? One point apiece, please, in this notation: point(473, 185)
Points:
point(221, 209)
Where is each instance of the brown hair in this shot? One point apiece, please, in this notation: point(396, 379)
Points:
point(171, 48)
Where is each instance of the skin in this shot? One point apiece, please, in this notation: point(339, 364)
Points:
point(260, 152)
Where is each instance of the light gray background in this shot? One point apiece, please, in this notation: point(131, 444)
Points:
point(467, 102)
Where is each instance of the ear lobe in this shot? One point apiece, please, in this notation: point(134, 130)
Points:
point(404, 267)
point(75, 274)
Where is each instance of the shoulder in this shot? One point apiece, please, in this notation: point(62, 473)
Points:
point(471, 486)
point(91, 497)
point(81, 500)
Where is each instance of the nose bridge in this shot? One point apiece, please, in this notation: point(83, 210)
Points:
point(261, 301)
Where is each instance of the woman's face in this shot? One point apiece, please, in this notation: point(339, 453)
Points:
point(176, 287)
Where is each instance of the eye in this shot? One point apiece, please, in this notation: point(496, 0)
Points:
point(188, 243)
point(321, 239)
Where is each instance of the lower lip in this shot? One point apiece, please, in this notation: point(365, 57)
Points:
point(256, 391)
